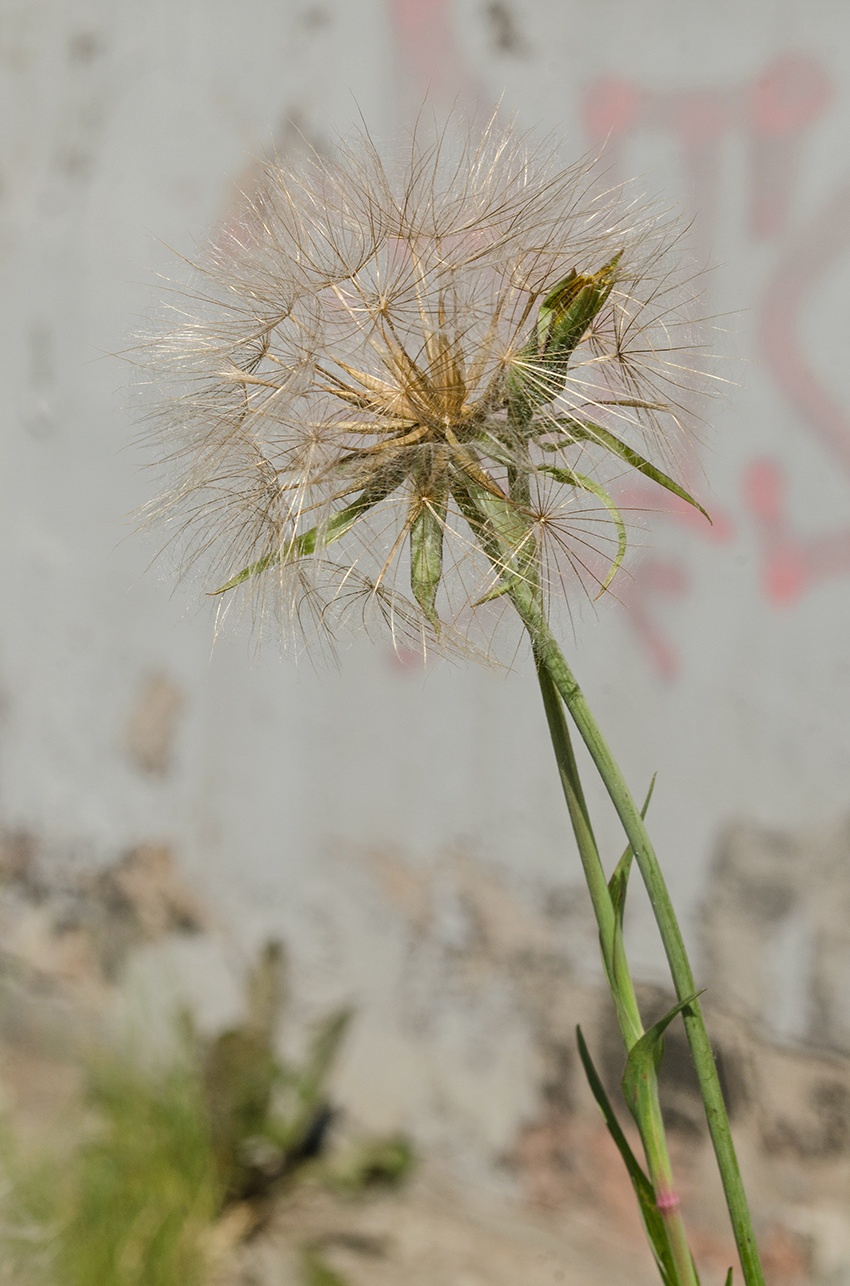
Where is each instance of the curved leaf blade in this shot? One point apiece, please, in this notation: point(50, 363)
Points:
point(573, 479)
point(644, 1060)
point(317, 537)
point(618, 882)
point(584, 431)
point(652, 1222)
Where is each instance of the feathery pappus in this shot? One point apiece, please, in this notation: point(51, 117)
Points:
point(397, 384)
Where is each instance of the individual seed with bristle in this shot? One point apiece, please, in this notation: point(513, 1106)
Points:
point(392, 365)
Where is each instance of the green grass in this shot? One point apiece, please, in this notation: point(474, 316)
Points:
point(146, 1184)
point(126, 1205)
point(131, 1196)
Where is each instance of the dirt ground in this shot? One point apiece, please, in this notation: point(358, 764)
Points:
point(432, 1232)
point(572, 1216)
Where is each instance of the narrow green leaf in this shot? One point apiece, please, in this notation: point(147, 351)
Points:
point(636, 1172)
point(619, 969)
point(644, 1058)
point(319, 536)
point(583, 431)
point(651, 1219)
point(573, 479)
point(729, 1278)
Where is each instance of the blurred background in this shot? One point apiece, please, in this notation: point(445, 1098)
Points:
point(167, 807)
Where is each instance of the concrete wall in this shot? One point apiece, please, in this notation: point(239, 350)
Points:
point(369, 814)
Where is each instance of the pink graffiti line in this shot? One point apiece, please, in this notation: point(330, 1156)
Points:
point(432, 62)
point(810, 255)
point(663, 577)
point(774, 111)
point(652, 579)
point(791, 563)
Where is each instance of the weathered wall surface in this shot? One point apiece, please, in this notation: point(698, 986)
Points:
point(392, 824)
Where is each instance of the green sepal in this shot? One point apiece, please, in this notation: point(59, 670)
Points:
point(317, 537)
point(540, 368)
point(426, 557)
point(643, 1061)
point(652, 1221)
point(581, 431)
point(498, 591)
point(571, 306)
point(573, 479)
point(506, 536)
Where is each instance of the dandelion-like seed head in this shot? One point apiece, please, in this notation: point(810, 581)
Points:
point(394, 385)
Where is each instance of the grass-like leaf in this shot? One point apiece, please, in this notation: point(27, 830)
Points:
point(645, 1058)
point(618, 882)
point(651, 1219)
point(145, 1186)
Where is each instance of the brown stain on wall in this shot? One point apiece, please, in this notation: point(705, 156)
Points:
point(788, 1096)
point(153, 723)
point(60, 926)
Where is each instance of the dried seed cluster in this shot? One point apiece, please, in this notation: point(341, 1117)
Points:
point(393, 383)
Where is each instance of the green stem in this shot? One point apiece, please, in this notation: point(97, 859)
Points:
point(550, 655)
point(613, 957)
point(661, 1176)
point(622, 989)
point(504, 537)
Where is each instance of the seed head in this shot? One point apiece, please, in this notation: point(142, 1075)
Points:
point(401, 383)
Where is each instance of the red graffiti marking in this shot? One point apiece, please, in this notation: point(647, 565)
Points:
point(404, 659)
point(774, 111)
point(651, 579)
point(649, 499)
point(785, 101)
point(810, 254)
point(432, 61)
point(792, 563)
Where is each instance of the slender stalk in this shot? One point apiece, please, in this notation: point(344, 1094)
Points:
point(501, 535)
point(650, 1122)
point(552, 658)
point(613, 958)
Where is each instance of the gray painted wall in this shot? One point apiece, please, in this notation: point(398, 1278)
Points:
point(295, 800)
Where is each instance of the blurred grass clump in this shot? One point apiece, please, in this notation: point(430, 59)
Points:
point(177, 1159)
